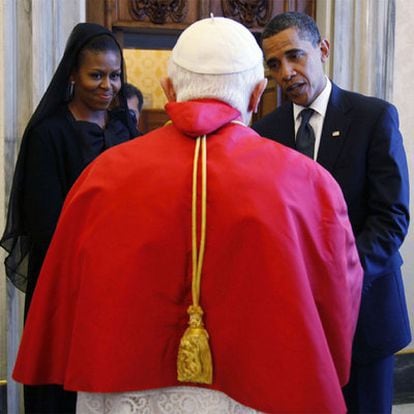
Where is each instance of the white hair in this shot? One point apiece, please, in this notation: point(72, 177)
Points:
point(235, 89)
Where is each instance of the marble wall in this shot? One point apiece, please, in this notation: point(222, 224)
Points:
point(32, 40)
point(362, 44)
point(3, 308)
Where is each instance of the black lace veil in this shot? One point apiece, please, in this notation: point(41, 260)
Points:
point(15, 239)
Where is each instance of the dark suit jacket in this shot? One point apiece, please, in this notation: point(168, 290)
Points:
point(361, 146)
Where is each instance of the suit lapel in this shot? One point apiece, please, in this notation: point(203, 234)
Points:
point(286, 126)
point(335, 127)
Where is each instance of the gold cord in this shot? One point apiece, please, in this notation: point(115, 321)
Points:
point(198, 255)
point(194, 362)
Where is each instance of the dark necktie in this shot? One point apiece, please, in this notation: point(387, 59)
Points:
point(305, 138)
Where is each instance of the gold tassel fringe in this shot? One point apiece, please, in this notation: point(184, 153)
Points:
point(194, 363)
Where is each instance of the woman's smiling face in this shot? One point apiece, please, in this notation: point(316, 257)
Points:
point(97, 79)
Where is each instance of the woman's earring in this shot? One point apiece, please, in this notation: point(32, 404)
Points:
point(70, 91)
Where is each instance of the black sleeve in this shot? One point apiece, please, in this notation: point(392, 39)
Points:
point(43, 188)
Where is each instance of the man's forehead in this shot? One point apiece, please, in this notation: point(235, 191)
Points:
point(278, 47)
point(284, 42)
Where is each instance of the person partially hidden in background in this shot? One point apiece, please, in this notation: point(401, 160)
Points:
point(70, 127)
point(357, 139)
point(192, 270)
point(135, 101)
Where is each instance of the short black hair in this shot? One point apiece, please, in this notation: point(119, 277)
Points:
point(131, 91)
point(306, 26)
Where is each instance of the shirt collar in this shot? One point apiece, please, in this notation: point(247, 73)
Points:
point(319, 105)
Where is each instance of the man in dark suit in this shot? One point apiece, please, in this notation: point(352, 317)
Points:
point(135, 101)
point(357, 139)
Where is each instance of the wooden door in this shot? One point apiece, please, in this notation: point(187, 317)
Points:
point(156, 24)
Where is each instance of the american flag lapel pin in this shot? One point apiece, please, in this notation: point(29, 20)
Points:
point(336, 133)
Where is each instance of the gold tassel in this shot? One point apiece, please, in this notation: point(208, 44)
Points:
point(194, 362)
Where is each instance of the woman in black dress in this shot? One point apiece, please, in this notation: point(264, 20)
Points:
point(70, 127)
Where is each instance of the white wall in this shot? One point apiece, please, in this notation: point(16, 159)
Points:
point(3, 341)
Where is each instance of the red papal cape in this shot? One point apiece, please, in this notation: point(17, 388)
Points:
point(281, 279)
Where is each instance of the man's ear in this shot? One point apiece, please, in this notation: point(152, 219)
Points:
point(256, 95)
point(324, 47)
point(168, 88)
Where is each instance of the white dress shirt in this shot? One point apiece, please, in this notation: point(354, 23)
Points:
point(319, 105)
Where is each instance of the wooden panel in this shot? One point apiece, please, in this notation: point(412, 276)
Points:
point(151, 119)
point(255, 14)
point(303, 6)
point(178, 14)
point(252, 14)
point(99, 11)
point(270, 99)
point(156, 24)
